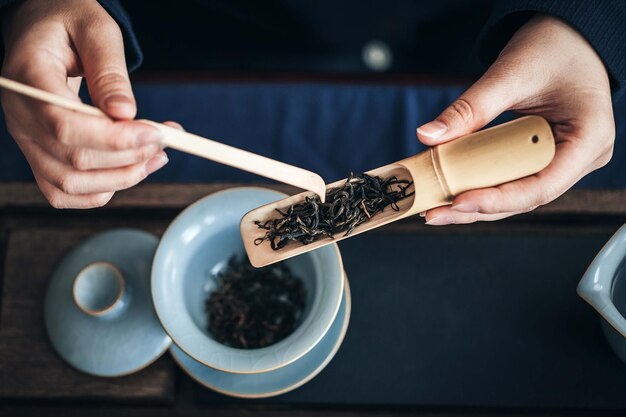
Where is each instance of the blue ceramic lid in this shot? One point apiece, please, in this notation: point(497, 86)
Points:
point(98, 308)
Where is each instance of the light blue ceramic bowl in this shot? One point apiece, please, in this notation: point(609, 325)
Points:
point(197, 245)
point(279, 381)
point(604, 287)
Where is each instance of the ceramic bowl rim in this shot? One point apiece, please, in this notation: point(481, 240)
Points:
point(171, 333)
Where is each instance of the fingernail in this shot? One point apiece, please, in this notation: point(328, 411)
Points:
point(422, 214)
point(148, 137)
point(156, 163)
point(175, 125)
point(118, 100)
point(465, 208)
point(434, 129)
point(440, 221)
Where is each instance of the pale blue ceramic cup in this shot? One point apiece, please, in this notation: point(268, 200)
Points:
point(604, 287)
point(197, 245)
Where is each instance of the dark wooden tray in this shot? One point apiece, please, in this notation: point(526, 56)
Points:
point(34, 380)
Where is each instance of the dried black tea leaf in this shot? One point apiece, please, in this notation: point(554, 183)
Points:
point(360, 198)
point(254, 307)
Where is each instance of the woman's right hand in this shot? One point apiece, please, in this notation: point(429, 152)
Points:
point(78, 161)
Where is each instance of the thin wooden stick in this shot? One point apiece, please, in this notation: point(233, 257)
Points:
point(50, 98)
point(194, 144)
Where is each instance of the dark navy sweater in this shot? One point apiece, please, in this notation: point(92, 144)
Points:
point(442, 37)
point(449, 37)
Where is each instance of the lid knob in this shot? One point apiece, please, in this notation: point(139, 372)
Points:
point(99, 289)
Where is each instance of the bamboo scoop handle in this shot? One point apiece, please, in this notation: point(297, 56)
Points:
point(487, 158)
point(194, 144)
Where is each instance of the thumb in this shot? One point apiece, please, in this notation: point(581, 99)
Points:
point(101, 52)
point(480, 104)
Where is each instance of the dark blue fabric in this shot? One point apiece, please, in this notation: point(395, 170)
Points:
point(134, 55)
point(424, 37)
point(600, 22)
point(331, 129)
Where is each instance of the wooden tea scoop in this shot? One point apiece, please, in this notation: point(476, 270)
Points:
point(487, 158)
point(194, 144)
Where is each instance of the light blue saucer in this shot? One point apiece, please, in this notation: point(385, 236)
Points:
point(98, 308)
point(279, 381)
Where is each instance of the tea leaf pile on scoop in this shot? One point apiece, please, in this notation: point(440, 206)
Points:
point(254, 307)
point(346, 207)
